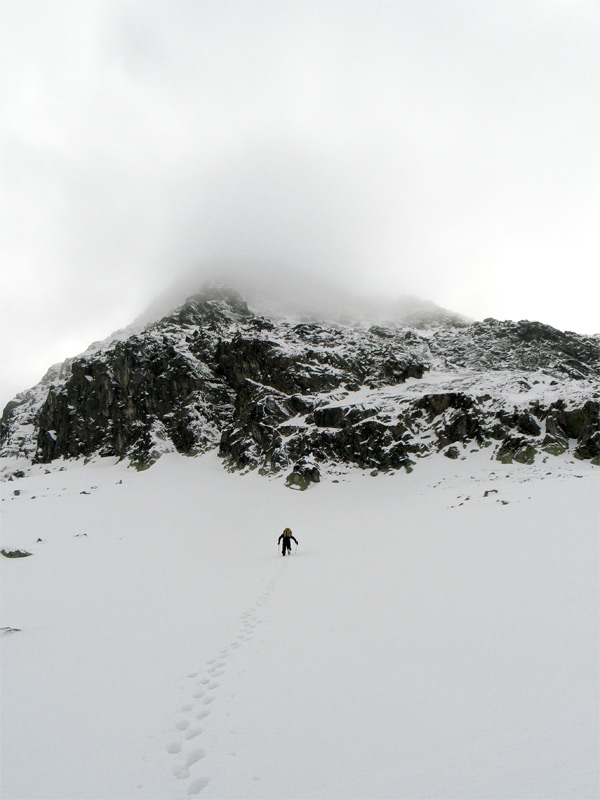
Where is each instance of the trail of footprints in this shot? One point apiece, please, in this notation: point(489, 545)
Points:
point(184, 746)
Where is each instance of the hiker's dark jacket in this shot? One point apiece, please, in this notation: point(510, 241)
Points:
point(286, 541)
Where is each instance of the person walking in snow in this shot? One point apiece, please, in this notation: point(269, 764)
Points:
point(285, 538)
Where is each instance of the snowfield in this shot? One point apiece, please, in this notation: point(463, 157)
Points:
point(434, 636)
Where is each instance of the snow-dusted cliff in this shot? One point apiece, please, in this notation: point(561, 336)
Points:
point(305, 396)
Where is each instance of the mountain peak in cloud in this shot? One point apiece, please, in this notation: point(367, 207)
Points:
point(301, 296)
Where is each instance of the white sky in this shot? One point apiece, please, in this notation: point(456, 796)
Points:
point(447, 149)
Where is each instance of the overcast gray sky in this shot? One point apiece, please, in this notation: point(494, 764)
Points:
point(444, 148)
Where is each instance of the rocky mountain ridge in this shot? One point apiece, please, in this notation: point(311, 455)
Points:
point(305, 397)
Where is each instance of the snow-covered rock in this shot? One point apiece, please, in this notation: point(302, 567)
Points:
point(307, 396)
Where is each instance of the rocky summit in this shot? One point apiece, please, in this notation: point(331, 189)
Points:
point(304, 397)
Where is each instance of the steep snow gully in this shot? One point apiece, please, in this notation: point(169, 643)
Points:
point(435, 635)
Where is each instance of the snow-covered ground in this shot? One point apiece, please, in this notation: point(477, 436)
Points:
point(425, 640)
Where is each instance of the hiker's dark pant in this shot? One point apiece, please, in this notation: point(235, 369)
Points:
point(286, 546)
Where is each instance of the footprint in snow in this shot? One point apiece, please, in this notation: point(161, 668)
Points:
point(183, 770)
point(203, 714)
point(182, 724)
point(196, 786)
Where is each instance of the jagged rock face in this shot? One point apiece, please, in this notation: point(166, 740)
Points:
point(302, 397)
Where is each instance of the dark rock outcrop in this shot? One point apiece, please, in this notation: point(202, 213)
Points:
point(15, 553)
point(452, 452)
point(297, 397)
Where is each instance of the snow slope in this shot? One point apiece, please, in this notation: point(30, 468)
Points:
point(425, 641)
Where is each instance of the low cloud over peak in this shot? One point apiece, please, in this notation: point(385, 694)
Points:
point(443, 150)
